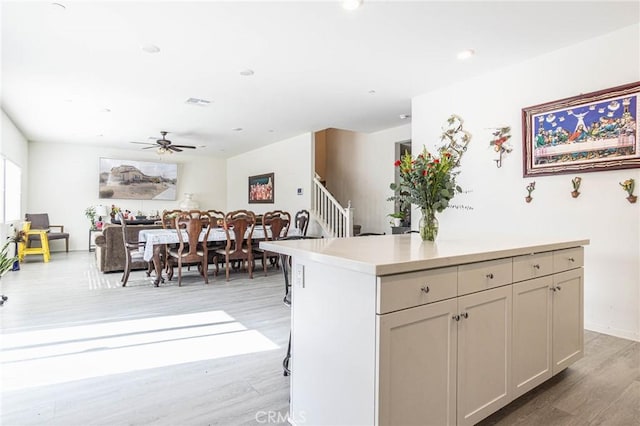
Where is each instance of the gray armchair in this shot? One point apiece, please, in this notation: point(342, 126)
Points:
point(41, 221)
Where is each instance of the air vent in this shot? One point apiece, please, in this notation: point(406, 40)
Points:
point(196, 101)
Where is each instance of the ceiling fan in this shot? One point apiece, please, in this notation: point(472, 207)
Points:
point(164, 145)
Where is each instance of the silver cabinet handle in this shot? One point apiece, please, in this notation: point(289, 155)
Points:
point(552, 288)
point(536, 266)
point(558, 288)
point(425, 289)
point(490, 275)
point(571, 259)
point(456, 317)
point(465, 315)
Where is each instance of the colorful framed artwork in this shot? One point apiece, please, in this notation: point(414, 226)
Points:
point(137, 180)
point(261, 188)
point(586, 133)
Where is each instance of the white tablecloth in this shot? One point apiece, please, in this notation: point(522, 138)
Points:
point(152, 237)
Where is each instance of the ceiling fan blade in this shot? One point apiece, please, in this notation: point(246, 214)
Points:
point(174, 148)
point(150, 147)
point(143, 143)
point(184, 146)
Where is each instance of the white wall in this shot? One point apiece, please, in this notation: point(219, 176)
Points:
point(64, 182)
point(360, 168)
point(291, 162)
point(601, 213)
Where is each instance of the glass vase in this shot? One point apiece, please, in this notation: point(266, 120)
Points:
point(428, 225)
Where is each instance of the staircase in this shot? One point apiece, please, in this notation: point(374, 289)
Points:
point(335, 220)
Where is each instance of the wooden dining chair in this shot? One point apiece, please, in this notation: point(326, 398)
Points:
point(133, 251)
point(276, 225)
point(238, 227)
point(191, 250)
point(217, 222)
point(301, 221)
point(167, 219)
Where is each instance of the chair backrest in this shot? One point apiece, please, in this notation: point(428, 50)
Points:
point(128, 244)
point(276, 224)
point(38, 220)
point(240, 224)
point(193, 222)
point(168, 218)
point(217, 218)
point(302, 221)
point(369, 234)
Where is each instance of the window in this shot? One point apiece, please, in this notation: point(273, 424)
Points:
point(10, 190)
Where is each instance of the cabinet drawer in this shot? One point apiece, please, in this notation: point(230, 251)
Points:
point(566, 259)
point(484, 275)
point(532, 266)
point(403, 291)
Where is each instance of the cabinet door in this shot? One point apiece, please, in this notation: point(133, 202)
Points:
point(417, 366)
point(568, 322)
point(531, 349)
point(484, 353)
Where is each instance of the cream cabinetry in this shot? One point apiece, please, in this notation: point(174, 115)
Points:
point(547, 317)
point(568, 325)
point(445, 361)
point(455, 361)
point(391, 330)
point(531, 352)
point(484, 354)
point(417, 377)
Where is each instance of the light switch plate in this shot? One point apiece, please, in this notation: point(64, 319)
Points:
point(299, 275)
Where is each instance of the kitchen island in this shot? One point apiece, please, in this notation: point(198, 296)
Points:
point(390, 330)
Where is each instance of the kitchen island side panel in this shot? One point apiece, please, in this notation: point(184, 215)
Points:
point(333, 345)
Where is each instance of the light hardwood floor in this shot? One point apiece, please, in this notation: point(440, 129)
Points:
point(211, 355)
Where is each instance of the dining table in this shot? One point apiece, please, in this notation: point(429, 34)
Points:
point(155, 239)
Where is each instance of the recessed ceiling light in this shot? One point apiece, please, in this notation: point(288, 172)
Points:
point(405, 116)
point(247, 72)
point(106, 110)
point(351, 4)
point(150, 48)
point(237, 129)
point(466, 54)
point(271, 130)
point(372, 92)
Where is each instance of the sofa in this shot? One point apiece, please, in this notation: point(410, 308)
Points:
point(110, 254)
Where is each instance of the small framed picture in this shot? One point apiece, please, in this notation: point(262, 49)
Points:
point(261, 188)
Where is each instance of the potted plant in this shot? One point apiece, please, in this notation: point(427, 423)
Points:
point(90, 213)
point(396, 218)
point(6, 261)
point(16, 237)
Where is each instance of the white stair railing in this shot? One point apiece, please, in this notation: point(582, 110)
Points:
point(335, 220)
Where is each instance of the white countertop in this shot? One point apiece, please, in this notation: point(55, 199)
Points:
point(393, 254)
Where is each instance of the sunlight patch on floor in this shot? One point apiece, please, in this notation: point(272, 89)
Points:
point(46, 357)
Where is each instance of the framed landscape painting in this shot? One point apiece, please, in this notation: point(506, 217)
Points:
point(137, 180)
point(586, 133)
point(261, 188)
